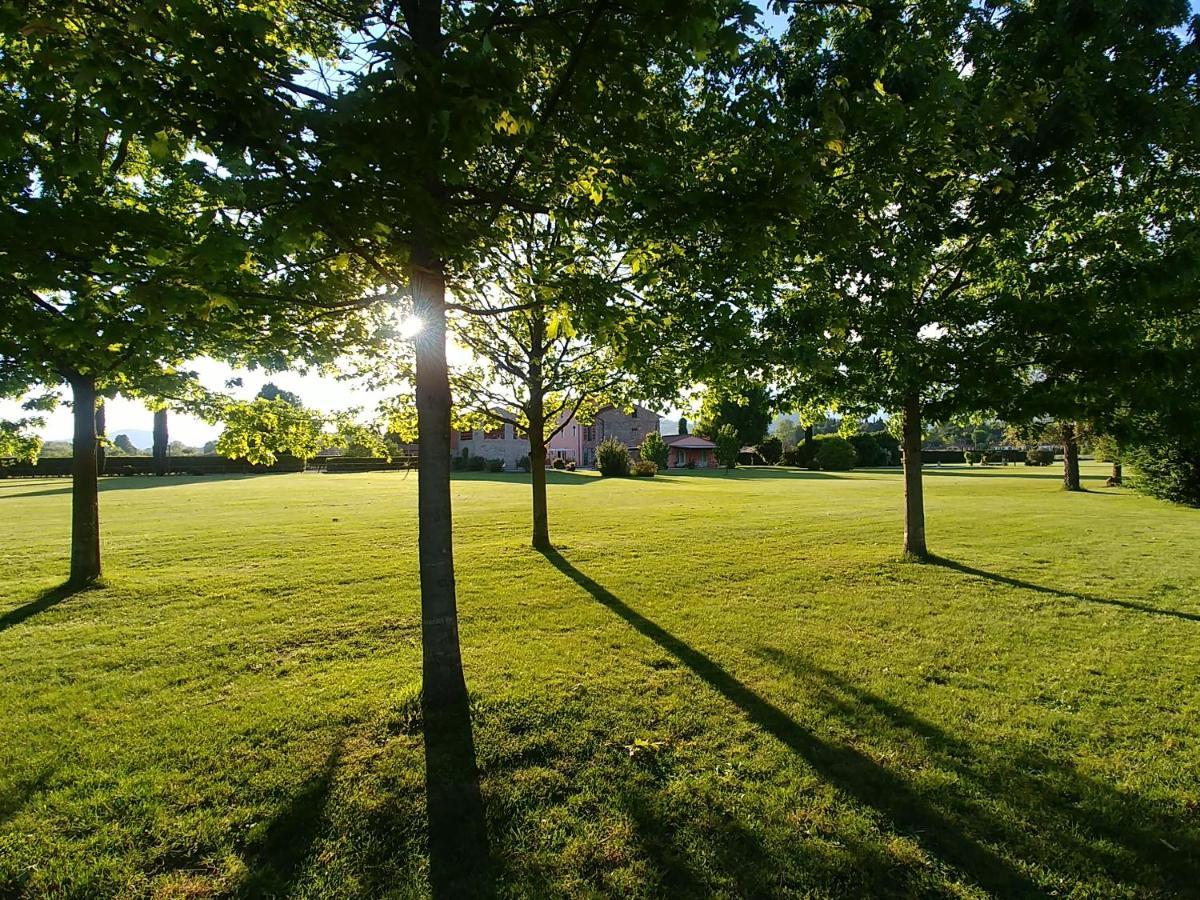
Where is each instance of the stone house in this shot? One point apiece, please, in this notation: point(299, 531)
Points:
point(578, 441)
point(497, 441)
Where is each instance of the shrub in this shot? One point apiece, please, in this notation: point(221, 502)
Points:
point(771, 450)
point(495, 465)
point(612, 457)
point(643, 468)
point(523, 463)
point(835, 454)
point(995, 458)
point(889, 448)
point(867, 451)
point(570, 465)
point(1170, 471)
point(728, 446)
point(559, 463)
point(972, 457)
point(654, 449)
point(476, 464)
point(1038, 457)
point(800, 456)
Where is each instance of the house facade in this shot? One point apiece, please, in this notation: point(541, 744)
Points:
point(577, 441)
point(690, 449)
point(497, 441)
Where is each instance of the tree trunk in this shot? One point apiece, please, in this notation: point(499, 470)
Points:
point(439, 613)
point(914, 499)
point(1116, 472)
point(537, 430)
point(537, 471)
point(85, 505)
point(1070, 458)
point(808, 435)
point(160, 441)
point(101, 434)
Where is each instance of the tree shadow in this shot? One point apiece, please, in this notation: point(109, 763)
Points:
point(22, 793)
point(134, 483)
point(851, 771)
point(459, 853)
point(48, 599)
point(1055, 809)
point(275, 860)
point(1044, 474)
point(1056, 592)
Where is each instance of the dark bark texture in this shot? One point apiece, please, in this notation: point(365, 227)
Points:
point(1070, 458)
point(160, 442)
point(914, 499)
point(85, 504)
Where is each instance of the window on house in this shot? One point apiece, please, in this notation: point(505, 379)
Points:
point(519, 432)
point(494, 434)
point(589, 432)
point(466, 434)
point(635, 412)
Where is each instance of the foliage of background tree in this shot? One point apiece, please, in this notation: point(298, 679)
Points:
point(134, 255)
point(655, 449)
point(272, 391)
point(17, 441)
point(745, 408)
point(835, 454)
point(260, 431)
point(771, 450)
point(728, 447)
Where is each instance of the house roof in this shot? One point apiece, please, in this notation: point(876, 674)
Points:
point(688, 441)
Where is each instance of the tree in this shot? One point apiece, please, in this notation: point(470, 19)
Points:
point(747, 409)
point(771, 450)
point(729, 445)
point(683, 425)
point(123, 443)
point(135, 255)
point(162, 441)
point(17, 441)
point(260, 431)
point(456, 115)
point(532, 368)
point(946, 135)
point(655, 450)
point(271, 391)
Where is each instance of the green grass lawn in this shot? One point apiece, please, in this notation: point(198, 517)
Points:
point(723, 686)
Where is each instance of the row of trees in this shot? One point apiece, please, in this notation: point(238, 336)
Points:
point(932, 207)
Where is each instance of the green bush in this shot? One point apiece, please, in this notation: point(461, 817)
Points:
point(523, 463)
point(476, 464)
point(654, 449)
point(495, 465)
point(835, 454)
point(570, 465)
point(1169, 471)
point(612, 457)
point(728, 446)
point(867, 452)
point(1037, 457)
point(889, 448)
point(800, 456)
point(559, 463)
point(771, 450)
point(973, 456)
point(643, 468)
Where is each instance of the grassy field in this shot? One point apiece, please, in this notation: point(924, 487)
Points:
point(722, 686)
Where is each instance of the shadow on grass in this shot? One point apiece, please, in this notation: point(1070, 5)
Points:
point(849, 770)
point(459, 853)
point(275, 860)
point(134, 483)
point(47, 600)
point(1059, 818)
point(21, 794)
point(1055, 592)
